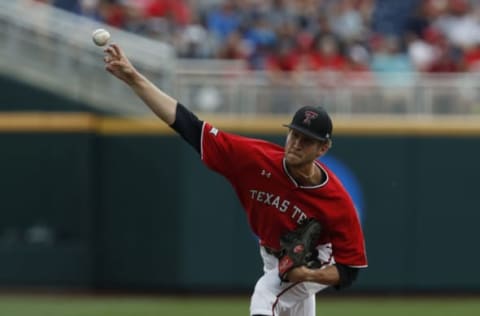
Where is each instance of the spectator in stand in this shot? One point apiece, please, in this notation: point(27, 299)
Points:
point(284, 58)
point(135, 16)
point(460, 25)
point(472, 58)
point(424, 15)
point(306, 13)
point(163, 19)
point(392, 69)
point(389, 57)
point(423, 50)
point(113, 13)
point(390, 64)
point(234, 48)
point(280, 13)
point(87, 8)
point(446, 57)
point(326, 54)
point(261, 37)
point(445, 62)
point(91, 9)
point(366, 9)
point(391, 16)
point(176, 11)
point(346, 21)
point(193, 40)
point(357, 61)
point(224, 20)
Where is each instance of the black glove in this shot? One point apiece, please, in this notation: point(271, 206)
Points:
point(298, 247)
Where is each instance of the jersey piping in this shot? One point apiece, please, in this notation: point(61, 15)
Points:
point(306, 186)
point(358, 267)
point(201, 141)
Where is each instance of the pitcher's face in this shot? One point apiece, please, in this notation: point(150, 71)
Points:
point(301, 149)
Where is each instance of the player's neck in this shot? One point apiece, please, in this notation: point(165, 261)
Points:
point(306, 175)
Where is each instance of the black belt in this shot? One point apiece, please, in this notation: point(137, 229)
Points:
point(273, 252)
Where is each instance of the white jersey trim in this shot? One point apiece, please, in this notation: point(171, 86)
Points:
point(364, 266)
point(201, 141)
point(307, 186)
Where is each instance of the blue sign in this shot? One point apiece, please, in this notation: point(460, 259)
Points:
point(349, 180)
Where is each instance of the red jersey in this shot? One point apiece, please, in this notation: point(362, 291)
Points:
point(275, 203)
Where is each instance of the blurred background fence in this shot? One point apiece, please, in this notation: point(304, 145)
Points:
point(97, 194)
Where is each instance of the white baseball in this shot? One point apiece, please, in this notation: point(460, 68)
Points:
point(100, 37)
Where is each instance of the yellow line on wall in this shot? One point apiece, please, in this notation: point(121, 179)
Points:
point(47, 122)
point(364, 125)
point(360, 125)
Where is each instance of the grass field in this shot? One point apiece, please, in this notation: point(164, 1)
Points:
point(163, 306)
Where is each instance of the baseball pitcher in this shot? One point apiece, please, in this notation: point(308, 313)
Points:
point(309, 234)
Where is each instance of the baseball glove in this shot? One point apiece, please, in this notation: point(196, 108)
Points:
point(298, 248)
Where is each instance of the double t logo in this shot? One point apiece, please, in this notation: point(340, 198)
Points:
point(309, 116)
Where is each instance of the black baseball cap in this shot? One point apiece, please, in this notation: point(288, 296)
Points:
point(312, 121)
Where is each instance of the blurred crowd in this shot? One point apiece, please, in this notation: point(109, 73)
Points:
point(310, 35)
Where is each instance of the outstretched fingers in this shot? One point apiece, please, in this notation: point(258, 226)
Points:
point(110, 51)
point(118, 51)
point(117, 63)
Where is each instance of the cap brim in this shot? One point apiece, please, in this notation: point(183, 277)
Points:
point(305, 132)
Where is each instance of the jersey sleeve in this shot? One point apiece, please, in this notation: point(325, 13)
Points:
point(348, 241)
point(223, 152)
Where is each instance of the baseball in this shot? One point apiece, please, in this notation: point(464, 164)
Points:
point(100, 37)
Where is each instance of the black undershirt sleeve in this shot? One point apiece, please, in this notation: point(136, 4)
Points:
point(188, 126)
point(347, 276)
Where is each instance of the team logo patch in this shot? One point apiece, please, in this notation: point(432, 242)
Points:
point(266, 173)
point(214, 131)
point(309, 116)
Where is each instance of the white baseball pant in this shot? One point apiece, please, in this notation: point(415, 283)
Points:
point(272, 297)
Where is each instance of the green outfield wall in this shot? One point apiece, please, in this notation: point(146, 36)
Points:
point(90, 202)
point(19, 96)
